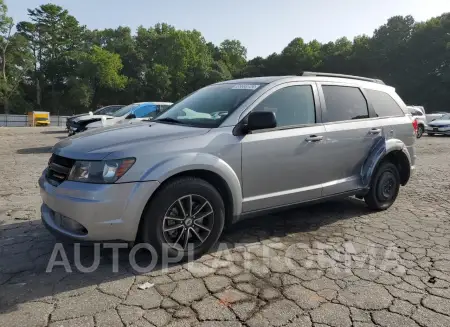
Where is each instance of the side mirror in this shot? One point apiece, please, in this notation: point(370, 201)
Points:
point(131, 116)
point(261, 120)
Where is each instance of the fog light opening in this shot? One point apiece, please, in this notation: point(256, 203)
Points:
point(70, 224)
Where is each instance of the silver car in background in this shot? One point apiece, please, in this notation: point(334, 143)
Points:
point(439, 125)
point(228, 151)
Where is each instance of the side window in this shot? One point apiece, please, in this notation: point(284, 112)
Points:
point(292, 105)
point(344, 103)
point(145, 111)
point(383, 104)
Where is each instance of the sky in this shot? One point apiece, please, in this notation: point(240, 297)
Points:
point(263, 26)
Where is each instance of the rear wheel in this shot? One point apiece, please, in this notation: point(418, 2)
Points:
point(185, 219)
point(430, 134)
point(420, 131)
point(384, 188)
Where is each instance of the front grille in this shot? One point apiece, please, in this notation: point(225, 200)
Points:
point(58, 169)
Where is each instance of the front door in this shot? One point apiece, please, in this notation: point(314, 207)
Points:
point(282, 166)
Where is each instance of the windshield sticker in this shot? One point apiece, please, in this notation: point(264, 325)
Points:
point(245, 87)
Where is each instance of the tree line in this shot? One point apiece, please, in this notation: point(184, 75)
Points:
point(50, 62)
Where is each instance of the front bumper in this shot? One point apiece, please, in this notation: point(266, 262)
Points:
point(107, 212)
point(74, 130)
point(438, 130)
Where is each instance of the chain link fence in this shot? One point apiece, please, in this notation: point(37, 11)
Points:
point(22, 120)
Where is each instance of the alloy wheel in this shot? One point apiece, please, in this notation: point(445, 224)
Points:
point(188, 222)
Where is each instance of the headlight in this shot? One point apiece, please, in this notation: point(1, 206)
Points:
point(100, 172)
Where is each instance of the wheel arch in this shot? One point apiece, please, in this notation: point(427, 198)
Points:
point(392, 150)
point(207, 167)
point(217, 181)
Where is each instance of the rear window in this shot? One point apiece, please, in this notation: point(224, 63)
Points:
point(383, 104)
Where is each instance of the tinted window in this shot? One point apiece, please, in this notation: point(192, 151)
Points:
point(293, 105)
point(383, 104)
point(344, 103)
point(145, 111)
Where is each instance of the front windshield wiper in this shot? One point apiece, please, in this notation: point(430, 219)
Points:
point(167, 120)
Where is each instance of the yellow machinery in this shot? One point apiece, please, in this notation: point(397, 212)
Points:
point(38, 118)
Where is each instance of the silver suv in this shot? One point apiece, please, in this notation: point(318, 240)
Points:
point(230, 150)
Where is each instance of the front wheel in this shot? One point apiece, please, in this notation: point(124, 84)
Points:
point(420, 131)
point(384, 188)
point(185, 219)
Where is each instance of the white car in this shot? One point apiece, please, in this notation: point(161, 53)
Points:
point(418, 113)
point(131, 114)
point(439, 126)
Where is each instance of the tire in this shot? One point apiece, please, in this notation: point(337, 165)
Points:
point(420, 131)
point(165, 206)
point(384, 188)
point(430, 134)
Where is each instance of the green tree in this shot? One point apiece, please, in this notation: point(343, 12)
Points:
point(234, 55)
point(55, 37)
point(100, 70)
point(73, 68)
point(14, 58)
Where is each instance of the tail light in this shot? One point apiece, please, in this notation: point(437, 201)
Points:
point(415, 126)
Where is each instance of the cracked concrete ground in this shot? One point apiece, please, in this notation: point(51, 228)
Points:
point(335, 264)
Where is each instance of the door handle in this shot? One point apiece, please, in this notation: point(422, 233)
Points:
point(375, 131)
point(314, 138)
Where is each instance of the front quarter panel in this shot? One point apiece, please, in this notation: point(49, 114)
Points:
point(198, 161)
point(217, 151)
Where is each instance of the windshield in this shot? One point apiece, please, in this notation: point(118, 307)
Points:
point(41, 118)
point(209, 106)
point(106, 110)
point(444, 117)
point(125, 110)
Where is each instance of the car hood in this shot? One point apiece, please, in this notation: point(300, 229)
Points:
point(77, 116)
point(100, 142)
point(109, 122)
point(88, 117)
point(439, 122)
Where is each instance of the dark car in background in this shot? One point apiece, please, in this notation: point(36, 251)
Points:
point(107, 110)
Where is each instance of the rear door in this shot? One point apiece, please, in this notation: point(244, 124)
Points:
point(390, 116)
point(351, 132)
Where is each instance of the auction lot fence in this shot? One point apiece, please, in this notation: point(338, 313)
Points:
point(21, 120)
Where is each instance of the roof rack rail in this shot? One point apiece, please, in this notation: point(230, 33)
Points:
point(374, 80)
